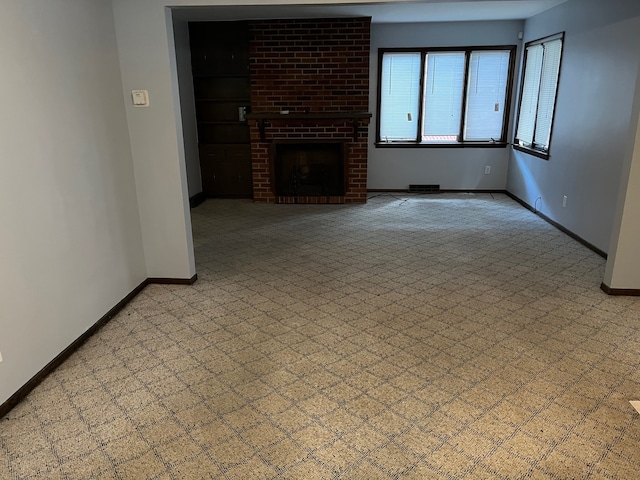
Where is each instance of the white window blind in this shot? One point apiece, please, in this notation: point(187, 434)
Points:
point(399, 96)
point(547, 96)
point(486, 95)
point(529, 95)
point(443, 96)
point(538, 96)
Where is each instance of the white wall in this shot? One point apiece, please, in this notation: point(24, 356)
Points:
point(147, 61)
point(452, 168)
point(70, 242)
point(623, 264)
point(591, 130)
point(187, 107)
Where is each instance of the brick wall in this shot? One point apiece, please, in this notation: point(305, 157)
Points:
point(310, 66)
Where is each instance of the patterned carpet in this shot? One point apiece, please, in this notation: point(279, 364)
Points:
point(427, 337)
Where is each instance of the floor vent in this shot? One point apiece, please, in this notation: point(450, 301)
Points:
point(424, 188)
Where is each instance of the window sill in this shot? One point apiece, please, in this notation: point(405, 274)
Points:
point(440, 145)
point(531, 151)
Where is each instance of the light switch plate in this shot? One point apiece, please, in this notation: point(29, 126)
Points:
point(0, 357)
point(140, 98)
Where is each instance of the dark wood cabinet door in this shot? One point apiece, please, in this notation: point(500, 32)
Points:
point(219, 48)
point(226, 171)
point(240, 157)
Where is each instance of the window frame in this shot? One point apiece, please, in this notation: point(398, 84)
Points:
point(502, 142)
point(538, 152)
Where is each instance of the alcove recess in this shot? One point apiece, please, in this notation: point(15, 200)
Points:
point(222, 90)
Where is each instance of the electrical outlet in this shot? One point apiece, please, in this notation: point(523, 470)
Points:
point(564, 201)
point(487, 170)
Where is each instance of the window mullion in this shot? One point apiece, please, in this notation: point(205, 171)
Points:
point(423, 60)
point(465, 88)
point(507, 101)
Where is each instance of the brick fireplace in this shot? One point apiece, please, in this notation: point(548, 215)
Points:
point(309, 84)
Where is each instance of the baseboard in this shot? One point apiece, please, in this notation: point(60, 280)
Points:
point(564, 230)
point(472, 191)
point(629, 292)
point(173, 281)
point(405, 190)
point(197, 199)
point(23, 391)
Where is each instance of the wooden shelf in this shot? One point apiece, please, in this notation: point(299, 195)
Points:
point(262, 118)
point(308, 116)
point(238, 123)
point(222, 75)
point(225, 100)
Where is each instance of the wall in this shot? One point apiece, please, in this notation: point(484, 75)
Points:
point(623, 264)
point(187, 107)
point(147, 61)
point(452, 168)
point(593, 111)
point(71, 246)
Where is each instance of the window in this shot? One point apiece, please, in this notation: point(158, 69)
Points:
point(538, 95)
point(444, 97)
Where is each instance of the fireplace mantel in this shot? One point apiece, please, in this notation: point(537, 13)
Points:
point(287, 118)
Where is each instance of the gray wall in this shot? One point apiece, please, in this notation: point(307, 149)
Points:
point(593, 113)
point(147, 55)
point(71, 246)
point(187, 107)
point(452, 168)
point(623, 264)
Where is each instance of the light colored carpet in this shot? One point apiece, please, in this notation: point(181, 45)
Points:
point(433, 337)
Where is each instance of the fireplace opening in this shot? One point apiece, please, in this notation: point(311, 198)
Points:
point(310, 169)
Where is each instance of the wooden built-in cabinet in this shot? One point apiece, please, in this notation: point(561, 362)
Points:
point(226, 171)
point(222, 89)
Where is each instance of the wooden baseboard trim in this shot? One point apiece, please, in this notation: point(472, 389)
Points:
point(66, 353)
point(173, 281)
point(564, 230)
point(375, 190)
point(23, 391)
point(629, 292)
point(197, 199)
point(473, 191)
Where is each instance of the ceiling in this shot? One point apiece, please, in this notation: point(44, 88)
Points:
point(398, 11)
